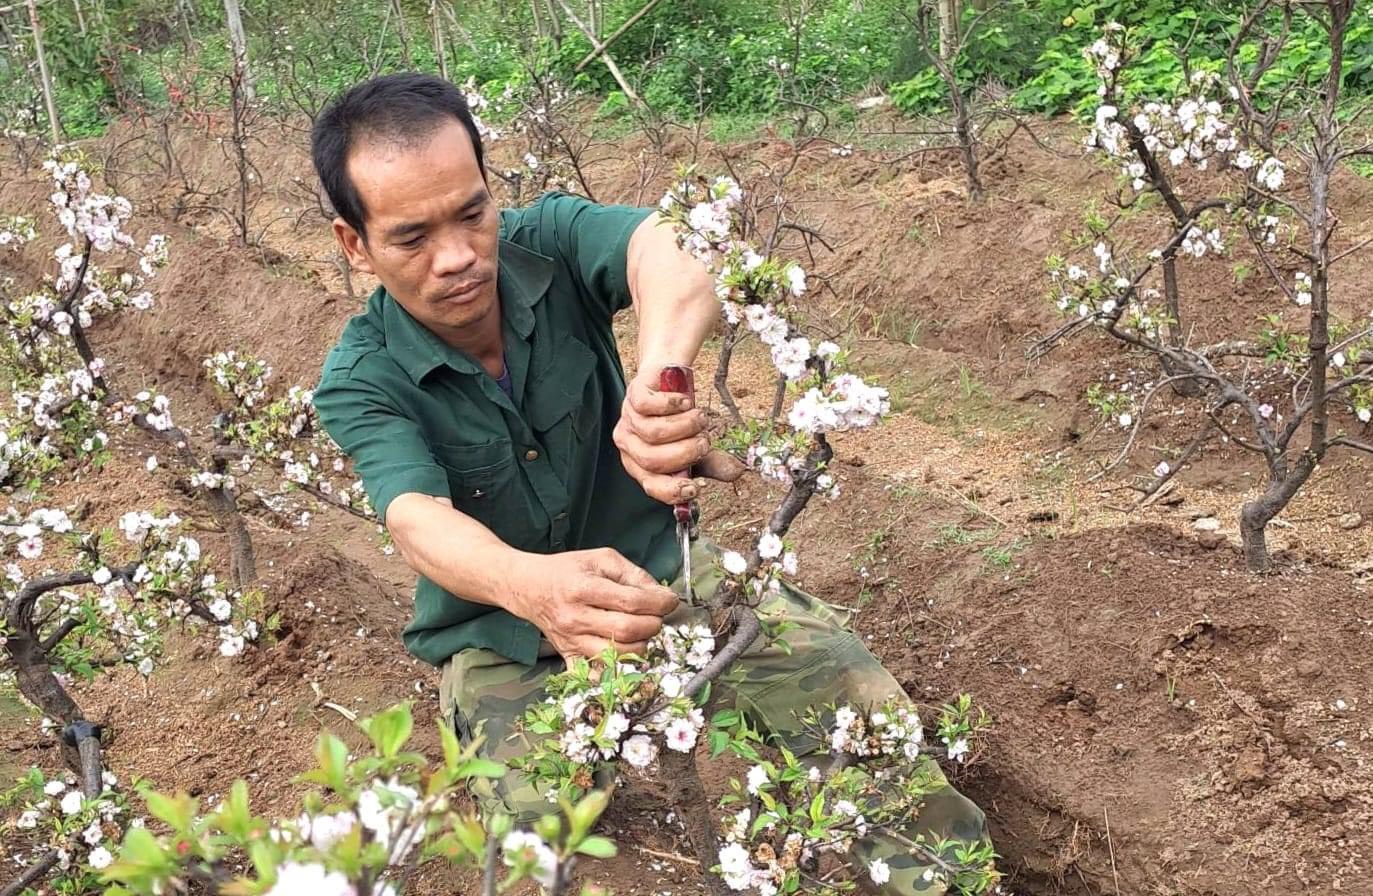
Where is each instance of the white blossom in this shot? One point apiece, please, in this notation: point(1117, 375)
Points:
point(639, 750)
point(297, 879)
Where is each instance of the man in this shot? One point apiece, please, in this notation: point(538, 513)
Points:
point(482, 398)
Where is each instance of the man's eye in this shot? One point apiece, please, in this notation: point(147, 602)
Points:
point(474, 217)
point(412, 243)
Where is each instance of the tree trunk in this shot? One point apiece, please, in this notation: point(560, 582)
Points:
point(54, 123)
point(440, 53)
point(243, 559)
point(40, 686)
point(403, 33)
point(80, 18)
point(687, 796)
point(1185, 388)
point(1255, 515)
point(1254, 519)
point(949, 13)
point(967, 142)
point(555, 22)
point(36, 680)
point(239, 42)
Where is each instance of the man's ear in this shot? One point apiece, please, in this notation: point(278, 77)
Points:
point(354, 249)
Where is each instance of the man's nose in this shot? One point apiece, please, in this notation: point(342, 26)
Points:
point(453, 256)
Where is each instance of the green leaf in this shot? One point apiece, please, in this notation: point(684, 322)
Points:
point(139, 854)
point(548, 827)
point(725, 718)
point(452, 747)
point(390, 729)
point(332, 756)
point(718, 742)
point(235, 818)
point(598, 847)
point(470, 834)
point(584, 814)
point(478, 767)
point(175, 811)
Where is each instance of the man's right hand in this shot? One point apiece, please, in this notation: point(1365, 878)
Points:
point(585, 601)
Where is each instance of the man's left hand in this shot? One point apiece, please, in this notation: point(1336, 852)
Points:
point(662, 434)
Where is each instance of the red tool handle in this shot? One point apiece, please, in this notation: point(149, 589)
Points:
point(679, 378)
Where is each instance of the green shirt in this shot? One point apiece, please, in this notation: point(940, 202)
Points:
point(539, 469)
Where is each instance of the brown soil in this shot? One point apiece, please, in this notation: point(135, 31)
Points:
point(1165, 722)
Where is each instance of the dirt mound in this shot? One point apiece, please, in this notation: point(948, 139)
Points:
point(1165, 722)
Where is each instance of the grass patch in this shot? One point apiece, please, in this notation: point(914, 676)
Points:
point(965, 405)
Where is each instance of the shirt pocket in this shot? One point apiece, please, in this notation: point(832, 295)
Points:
point(485, 484)
point(556, 404)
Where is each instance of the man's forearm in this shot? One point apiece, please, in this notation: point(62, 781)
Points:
point(454, 551)
point(674, 297)
point(582, 601)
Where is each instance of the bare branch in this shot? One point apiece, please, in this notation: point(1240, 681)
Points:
point(1347, 442)
point(39, 869)
point(1138, 421)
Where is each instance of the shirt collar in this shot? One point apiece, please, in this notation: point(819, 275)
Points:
point(523, 277)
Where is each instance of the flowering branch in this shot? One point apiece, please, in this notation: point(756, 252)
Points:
point(643, 711)
point(1198, 132)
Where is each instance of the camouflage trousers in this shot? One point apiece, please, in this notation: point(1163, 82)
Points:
point(483, 690)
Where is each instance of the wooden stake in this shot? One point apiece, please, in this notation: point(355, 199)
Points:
point(629, 22)
point(54, 124)
point(599, 49)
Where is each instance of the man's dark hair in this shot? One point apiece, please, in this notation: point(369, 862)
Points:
point(406, 108)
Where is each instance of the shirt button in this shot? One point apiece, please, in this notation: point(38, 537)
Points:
point(560, 517)
point(531, 454)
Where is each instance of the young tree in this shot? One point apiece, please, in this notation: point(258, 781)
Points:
point(1252, 137)
point(649, 712)
point(376, 818)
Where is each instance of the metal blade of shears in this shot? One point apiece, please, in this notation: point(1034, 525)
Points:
point(678, 378)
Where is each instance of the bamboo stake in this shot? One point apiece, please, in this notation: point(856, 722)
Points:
point(54, 124)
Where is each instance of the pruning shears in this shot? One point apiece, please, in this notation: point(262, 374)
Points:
point(679, 378)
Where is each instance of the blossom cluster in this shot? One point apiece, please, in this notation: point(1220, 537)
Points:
point(393, 813)
point(792, 813)
point(881, 733)
point(755, 291)
point(173, 570)
point(284, 432)
point(16, 230)
point(124, 606)
point(241, 376)
point(1193, 129)
point(58, 394)
point(623, 707)
point(775, 560)
point(99, 221)
point(84, 833)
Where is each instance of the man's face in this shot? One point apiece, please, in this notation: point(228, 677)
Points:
point(431, 228)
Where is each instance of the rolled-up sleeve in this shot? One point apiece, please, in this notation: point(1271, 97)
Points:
point(388, 450)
